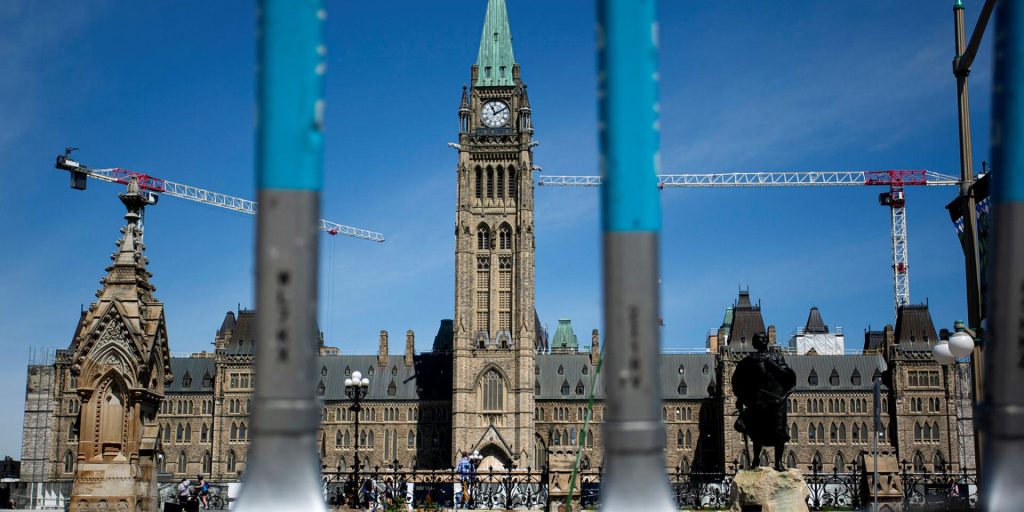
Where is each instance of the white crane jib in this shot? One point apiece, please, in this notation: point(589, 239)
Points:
point(80, 172)
point(894, 198)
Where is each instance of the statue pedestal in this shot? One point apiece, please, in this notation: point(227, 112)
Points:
point(767, 490)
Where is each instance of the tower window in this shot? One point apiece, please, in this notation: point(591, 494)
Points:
point(493, 391)
point(501, 183)
point(483, 238)
point(490, 182)
point(479, 186)
point(511, 183)
point(505, 237)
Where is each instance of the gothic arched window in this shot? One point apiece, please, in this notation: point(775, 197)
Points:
point(833, 378)
point(839, 462)
point(855, 378)
point(243, 434)
point(483, 237)
point(490, 182)
point(812, 379)
point(565, 388)
point(791, 460)
point(337, 439)
point(505, 237)
point(811, 433)
point(679, 439)
point(180, 435)
point(689, 438)
point(479, 185)
point(501, 183)
point(188, 433)
point(182, 463)
point(511, 183)
point(69, 462)
point(493, 391)
point(411, 440)
point(232, 461)
point(918, 463)
point(794, 433)
point(207, 463)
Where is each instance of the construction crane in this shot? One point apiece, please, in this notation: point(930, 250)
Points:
point(895, 199)
point(158, 186)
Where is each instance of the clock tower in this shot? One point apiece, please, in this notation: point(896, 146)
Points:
point(495, 321)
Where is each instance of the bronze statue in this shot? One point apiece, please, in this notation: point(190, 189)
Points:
point(762, 384)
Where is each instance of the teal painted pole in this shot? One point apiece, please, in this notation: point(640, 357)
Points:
point(1003, 409)
point(631, 220)
point(282, 470)
point(629, 134)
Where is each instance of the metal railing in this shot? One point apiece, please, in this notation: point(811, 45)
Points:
point(516, 488)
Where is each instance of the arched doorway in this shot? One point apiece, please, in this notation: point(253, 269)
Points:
point(493, 458)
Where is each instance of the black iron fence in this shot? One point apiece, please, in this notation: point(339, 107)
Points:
point(515, 488)
point(395, 487)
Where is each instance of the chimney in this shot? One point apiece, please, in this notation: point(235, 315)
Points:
point(410, 346)
point(771, 335)
point(595, 347)
point(713, 343)
point(382, 350)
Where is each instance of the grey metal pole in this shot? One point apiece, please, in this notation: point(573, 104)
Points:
point(972, 267)
point(1002, 487)
point(634, 445)
point(282, 469)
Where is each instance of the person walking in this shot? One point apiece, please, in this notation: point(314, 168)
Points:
point(203, 490)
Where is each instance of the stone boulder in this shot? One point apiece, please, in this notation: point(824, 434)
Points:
point(771, 490)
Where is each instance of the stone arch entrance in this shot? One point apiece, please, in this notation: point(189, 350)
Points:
point(494, 458)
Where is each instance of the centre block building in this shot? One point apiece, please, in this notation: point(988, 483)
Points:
point(495, 382)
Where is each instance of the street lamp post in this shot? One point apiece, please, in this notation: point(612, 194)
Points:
point(356, 388)
point(960, 345)
point(471, 487)
point(962, 60)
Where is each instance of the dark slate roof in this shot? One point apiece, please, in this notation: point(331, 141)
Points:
point(243, 335)
point(436, 369)
point(228, 323)
point(444, 340)
point(698, 379)
point(194, 367)
point(843, 365)
point(815, 325)
point(746, 321)
point(874, 340)
point(915, 330)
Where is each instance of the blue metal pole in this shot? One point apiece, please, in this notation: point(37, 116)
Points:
point(631, 220)
point(282, 470)
point(1003, 412)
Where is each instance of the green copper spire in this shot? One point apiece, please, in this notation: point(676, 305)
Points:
point(565, 338)
point(494, 62)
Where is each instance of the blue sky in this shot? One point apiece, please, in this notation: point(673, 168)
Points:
point(167, 88)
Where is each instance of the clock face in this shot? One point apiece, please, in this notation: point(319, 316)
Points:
point(494, 114)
